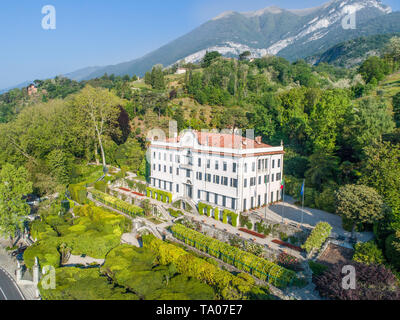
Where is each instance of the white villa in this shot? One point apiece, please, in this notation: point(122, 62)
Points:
point(225, 171)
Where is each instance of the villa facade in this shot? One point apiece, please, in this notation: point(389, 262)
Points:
point(225, 171)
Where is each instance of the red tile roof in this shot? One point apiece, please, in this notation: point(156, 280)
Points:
point(224, 140)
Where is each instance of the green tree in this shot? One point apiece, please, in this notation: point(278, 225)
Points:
point(381, 171)
point(368, 121)
point(368, 253)
point(13, 185)
point(359, 204)
point(99, 111)
point(396, 109)
point(372, 70)
point(209, 58)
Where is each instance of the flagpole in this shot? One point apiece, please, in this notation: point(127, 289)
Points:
point(302, 204)
point(283, 203)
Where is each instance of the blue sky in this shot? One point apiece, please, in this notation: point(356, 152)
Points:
point(102, 32)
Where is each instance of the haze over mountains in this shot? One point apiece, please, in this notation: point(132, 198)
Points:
point(292, 34)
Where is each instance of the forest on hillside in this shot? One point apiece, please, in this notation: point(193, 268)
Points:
point(340, 127)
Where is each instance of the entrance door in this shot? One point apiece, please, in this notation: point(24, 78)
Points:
point(189, 191)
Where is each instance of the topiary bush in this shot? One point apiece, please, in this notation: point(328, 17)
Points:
point(318, 236)
point(368, 253)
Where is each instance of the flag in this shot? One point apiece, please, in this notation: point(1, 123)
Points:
point(302, 188)
point(283, 184)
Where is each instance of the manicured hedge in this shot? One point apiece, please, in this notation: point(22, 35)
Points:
point(100, 186)
point(228, 286)
point(226, 213)
point(78, 193)
point(175, 213)
point(260, 268)
point(317, 237)
point(151, 193)
point(208, 208)
point(116, 203)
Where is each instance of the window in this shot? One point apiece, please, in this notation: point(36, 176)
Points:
point(245, 183)
point(208, 177)
point(215, 198)
point(235, 183)
point(199, 162)
point(277, 195)
point(259, 164)
point(170, 170)
point(177, 171)
point(208, 197)
point(216, 165)
point(187, 173)
point(208, 164)
point(224, 201)
point(273, 164)
point(225, 166)
point(252, 203)
point(272, 178)
point(214, 178)
point(225, 179)
point(159, 167)
point(263, 164)
point(259, 180)
point(266, 164)
point(165, 168)
point(198, 194)
point(253, 166)
point(278, 176)
point(259, 201)
point(154, 155)
point(234, 167)
point(245, 168)
point(170, 186)
point(272, 197)
point(233, 204)
point(266, 178)
point(279, 163)
point(177, 159)
point(217, 179)
point(244, 204)
point(154, 167)
point(177, 188)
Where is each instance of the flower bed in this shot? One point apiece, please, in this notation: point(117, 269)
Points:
point(258, 267)
point(253, 233)
point(133, 192)
point(116, 203)
point(285, 244)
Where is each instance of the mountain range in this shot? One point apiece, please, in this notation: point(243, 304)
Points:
point(292, 34)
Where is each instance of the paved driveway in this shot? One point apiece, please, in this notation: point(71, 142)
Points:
point(311, 218)
point(8, 289)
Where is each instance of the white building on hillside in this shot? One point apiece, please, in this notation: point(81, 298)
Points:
point(226, 171)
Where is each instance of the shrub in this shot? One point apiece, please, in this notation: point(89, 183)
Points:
point(317, 237)
point(392, 249)
point(373, 282)
point(163, 196)
point(228, 286)
point(139, 271)
point(242, 260)
point(101, 186)
point(203, 206)
point(116, 203)
point(78, 193)
point(317, 268)
point(368, 253)
point(83, 284)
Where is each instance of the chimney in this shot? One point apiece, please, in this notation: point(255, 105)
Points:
point(258, 140)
